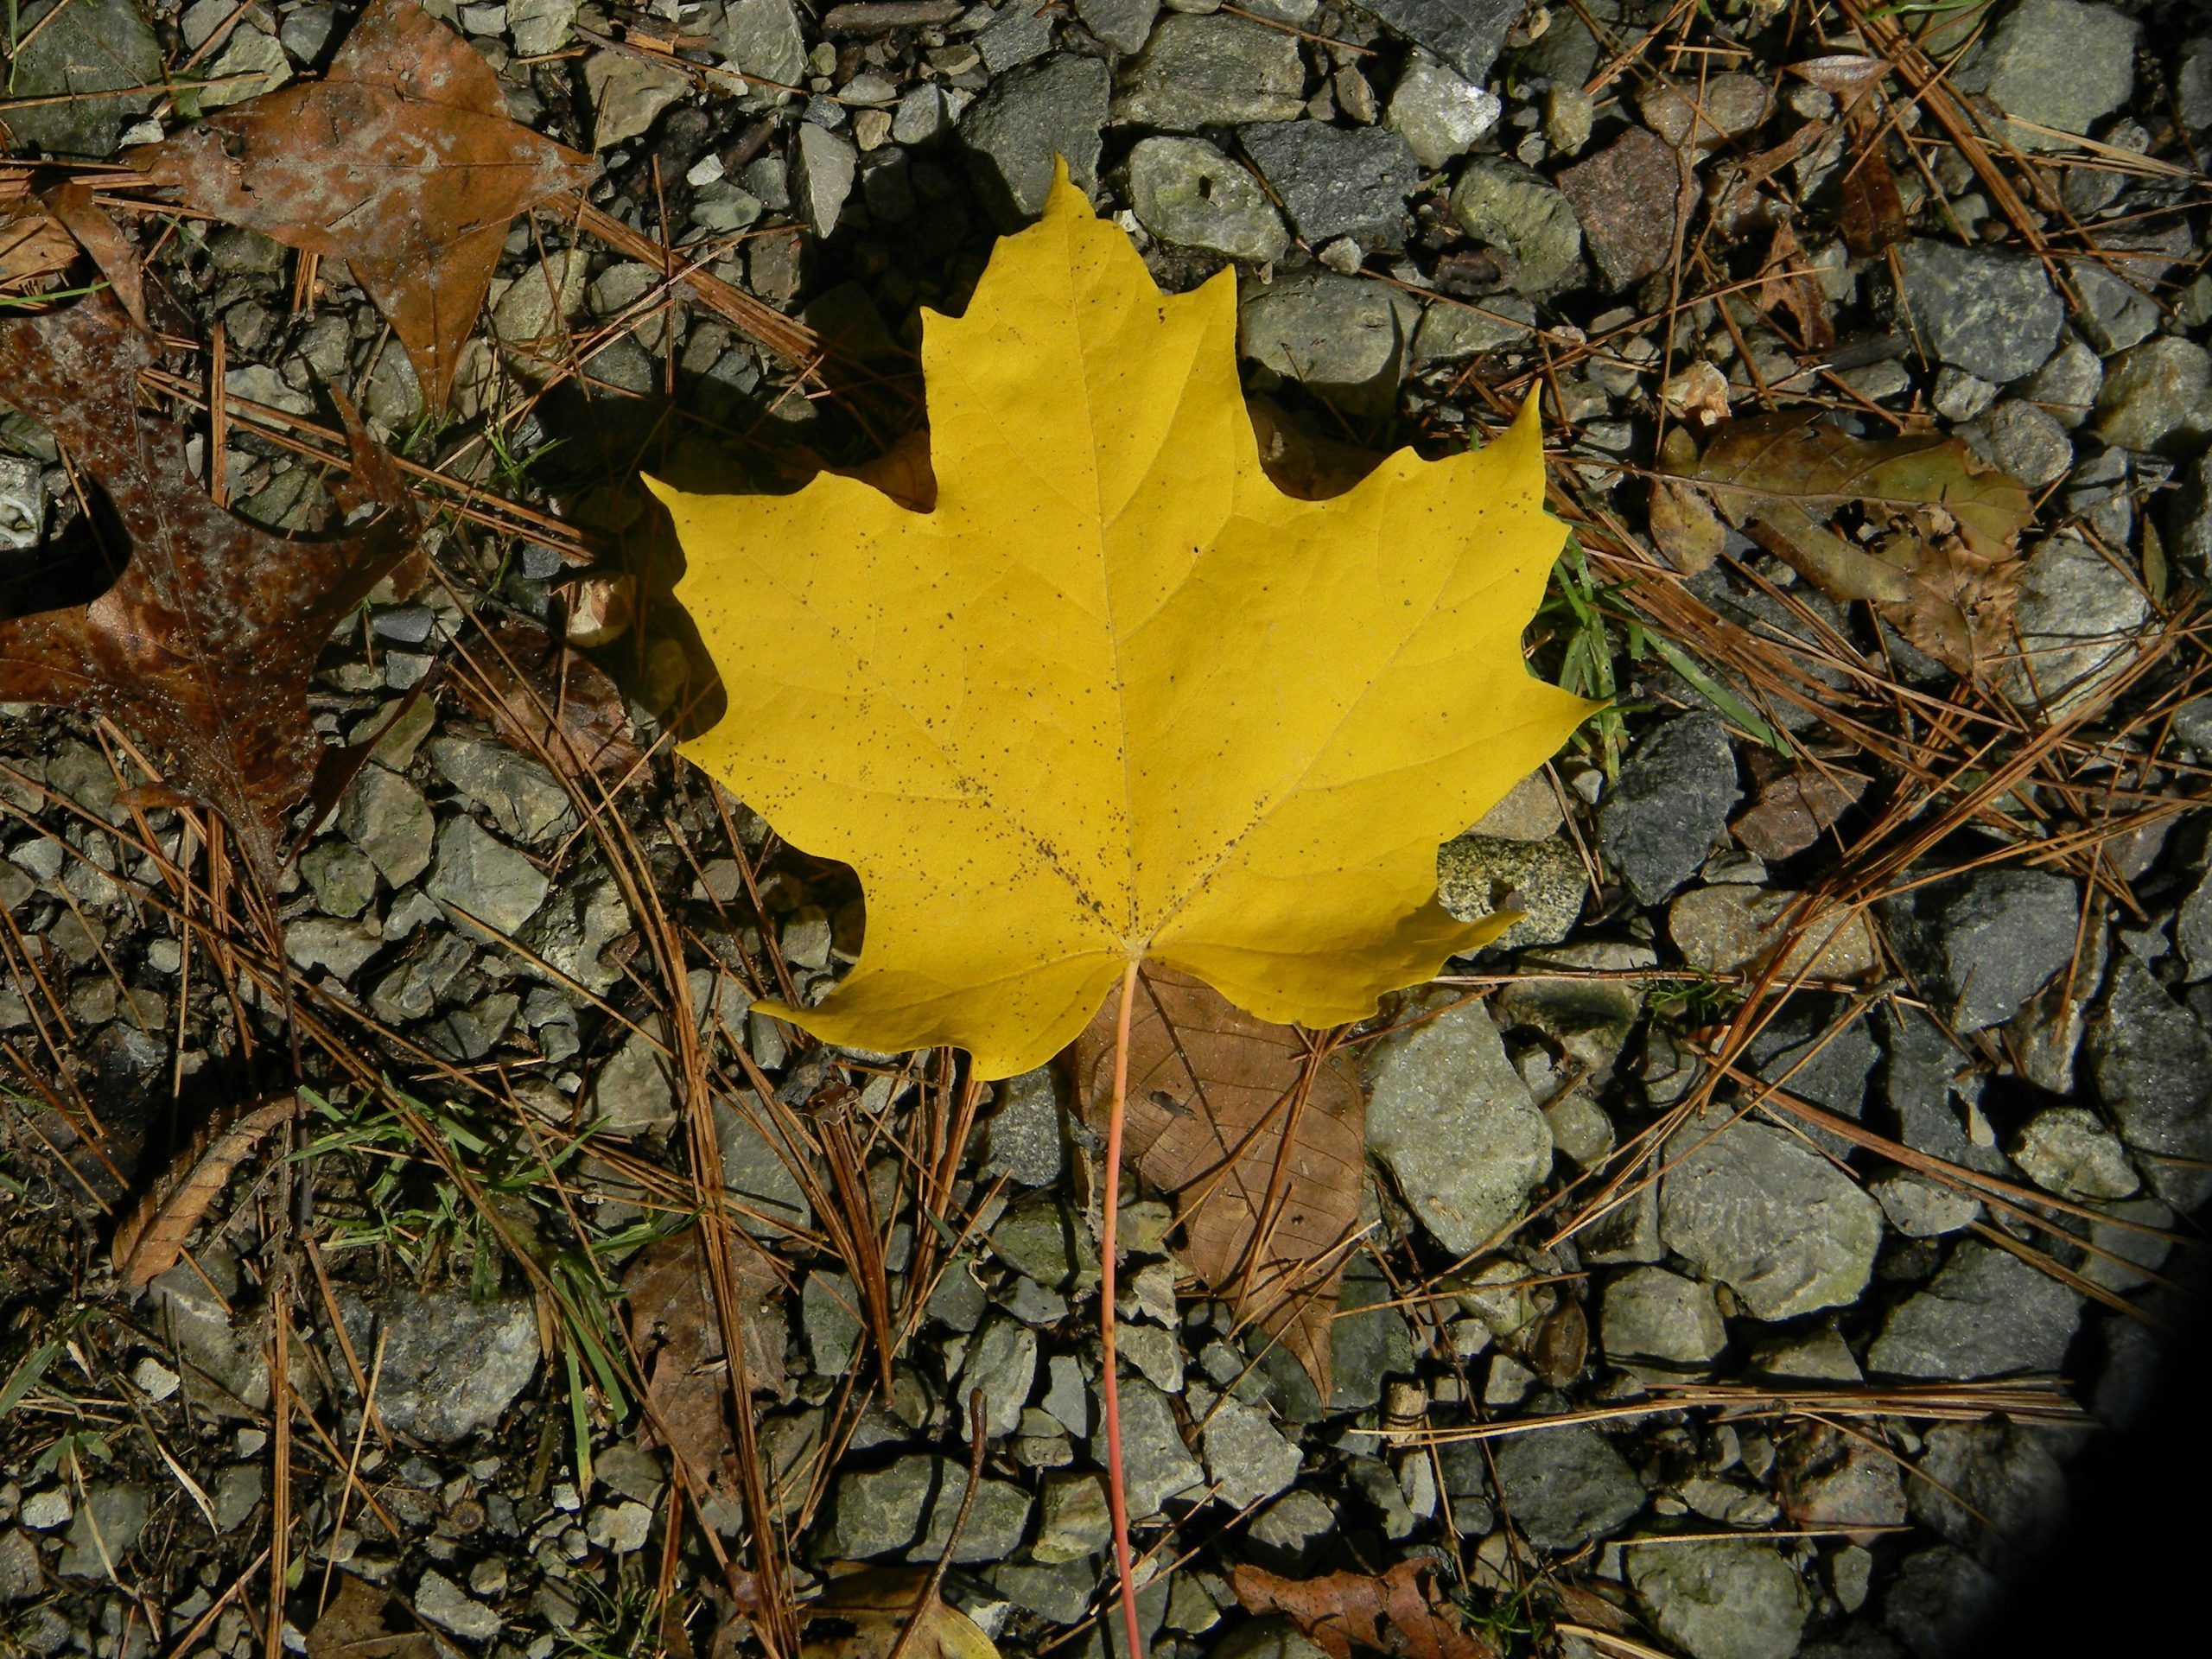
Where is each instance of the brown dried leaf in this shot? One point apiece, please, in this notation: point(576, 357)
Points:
point(1787, 284)
point(1943, 572)
point(401, 161)
point(358, 1624)
point(675, 1330)
point(543, 697)
point(1387, 1613)
point(1210, 1092)
point(73, 207)
point(204, 646)
point(878, 1603)
point(32, 247)
point(1871, 212)
point(151, 1237)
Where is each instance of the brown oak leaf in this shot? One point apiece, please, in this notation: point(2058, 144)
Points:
point(401, 161)
point(1258, 1131)
point(1385, 1612)
point(204, 645)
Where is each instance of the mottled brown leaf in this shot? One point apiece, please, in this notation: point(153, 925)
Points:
point(1787, 284)
point(204, 646)
point(545, 697)
point(1388, 1612)
point(400, 160)
point(1258, 1131)
point(151, 1237)
point(33, 248)
point(359, 1624)
point(673, 1327)
point(1939, 560)
point(863, 1614)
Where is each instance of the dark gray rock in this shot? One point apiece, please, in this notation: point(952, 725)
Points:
point(1246, 1457)
point(1831, 1073)
point(882, 1511)
point(105, 1529)
point(1998, 937)
point(2056, 63)
point(2152, 1064)
point(1565, 1486)
point(1021, 1135)
point(92, 47)
point(1122, 25)
point(1761, 1211)
point(1335, 180)
point(1995, 1490)
point(1670, 806)
point(1289, 1535)
point(1156, 1463)
point(482, 881)
point(1985, 310)
point(1507, 206)
point(1720, 1597)
point(1939, 1599)
point(1219, 71)
point(2157, 399)
point(1654, 1317)
point(526, 801)
point(1341, 338)
point(1987, 1313)
point(1916, 1084)
point(1368, 1339)
point(1439, 112)
point(1467, 33)
point(1025, 117)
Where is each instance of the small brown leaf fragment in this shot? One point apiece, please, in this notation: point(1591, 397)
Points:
point(673, 1328)
point(1871, 212)
point(401, 161)
point(1562, 1344)
point(1258, 1132)
point(150, 1240)
point(204, 647)
point(1793, 810)
point(1384, 1613)
point(72, 206)
point(1938, 561)
point(33, 247)
point(545, 697)
point(359, 1624)
point(1787, 284)
point(877, 1604)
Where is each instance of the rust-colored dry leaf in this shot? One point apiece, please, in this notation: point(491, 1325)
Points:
point(1870, 213)
point(674, 1328)
point(358, 1624)
point(870, 1610)
point(204, 646)
point(74, 207)
point(151, 1239)
point(1940, 565)
point(1787, 284)
point(401, 161)
point(1385, 1613)
point(543, 697)
point(1212, 1092)
point(34, 246)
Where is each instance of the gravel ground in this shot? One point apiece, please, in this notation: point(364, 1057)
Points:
point(1795, 1390)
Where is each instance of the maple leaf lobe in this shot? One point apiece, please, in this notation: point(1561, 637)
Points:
point(1181, 717)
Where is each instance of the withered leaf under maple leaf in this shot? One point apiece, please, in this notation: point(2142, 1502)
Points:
point(1212, 1094)
point(203, 647)
point(401, 161)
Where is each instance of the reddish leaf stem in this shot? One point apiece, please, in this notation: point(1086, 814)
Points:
point(1117, 1498)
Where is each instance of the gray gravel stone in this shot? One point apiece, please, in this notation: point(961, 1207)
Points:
point(1438, 111)
point(1720, 1597)
point(2152, 1063)
point(451, 1365)
point(1659, 1317)
point(477, 877)
point(1184, 191)
point(1454, 1123)
point(1156, 1463)
point(1025, 117)
point(822, 167)
point(523, 799)
point(1021, 1135)
point(94, 46)
point(1670, 806)
point(1074, 1520)
point(2055, 63)
point(2066, 386)
point(1987, 1313)
point(535, 27)
point(1449, 330)
point(829, 1305)
point(2067, 1150)
point(627, 94)
point(1290, 1532)
point(1921, 1208)
point(1477, 875)
point(1985, 310)
point(1002, 1361)
point(1467, 33)
point(2076, 618)
point(1995, 1490)
point(2001, 935)
point(1340, 337)
point(761, 38)
point(2114, 313)
point(2157, 398)
point(1335, 180)
point(1245, 1457)
point(634, 1091)
point(881, 1511)
point(442, 1602)
point(1937, 1601)
point(1125, 25)
point(1509, 206)
point(1756, 1209)
point(1219, 71)
point(2027, 442)
point(105, 1529)
point(1565, 1486)
point(387, 819)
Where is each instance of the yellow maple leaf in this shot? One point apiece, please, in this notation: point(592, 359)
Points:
point(1116, 696)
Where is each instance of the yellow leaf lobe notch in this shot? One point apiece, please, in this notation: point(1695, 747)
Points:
point(1116, 696)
